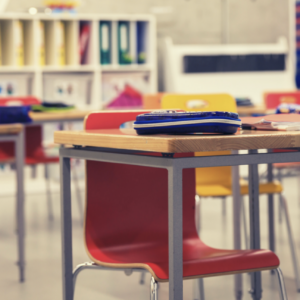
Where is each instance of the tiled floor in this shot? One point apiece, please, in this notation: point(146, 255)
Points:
point(43, 251)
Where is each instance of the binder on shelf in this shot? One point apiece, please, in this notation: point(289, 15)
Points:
point(0, 47)
point(141, 42)
point(41, 43)
point(105, 42)
point(19, 42)
point(60, 46)
point(124, 43)
point(84, 38)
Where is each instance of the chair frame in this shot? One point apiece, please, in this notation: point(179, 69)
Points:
point(154, 284)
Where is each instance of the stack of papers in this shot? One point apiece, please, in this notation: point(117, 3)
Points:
point(285, 122)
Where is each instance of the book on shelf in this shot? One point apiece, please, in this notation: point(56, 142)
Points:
point(141, 42)
point(19, 42)
point(105, 42)
point(41, 43)
point(60, 43)
point(0, 48)
point(84, 38)
point(124, 43)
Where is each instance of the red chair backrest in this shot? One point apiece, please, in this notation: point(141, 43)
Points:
point(128, 205)
point(33, 144)
point(272, 100)
point(28, 100)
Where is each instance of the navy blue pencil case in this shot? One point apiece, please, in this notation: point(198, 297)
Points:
point(14, 114)
point(181, 122)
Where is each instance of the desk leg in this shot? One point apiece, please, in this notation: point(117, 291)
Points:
point(254, 225)
point(19, 150)
point(66, 229)
point(238, 279)
point(271, 212)
point(175, 233)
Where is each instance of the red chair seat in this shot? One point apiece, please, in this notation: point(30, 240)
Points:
point(32, 160)
point(287, 165)
point(41, 160)
point(35, 153)
point(198, 259)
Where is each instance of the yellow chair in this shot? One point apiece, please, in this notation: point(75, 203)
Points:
point(216, 181)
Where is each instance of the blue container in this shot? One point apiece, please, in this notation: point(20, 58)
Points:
point(174, 122)
point(14, 114)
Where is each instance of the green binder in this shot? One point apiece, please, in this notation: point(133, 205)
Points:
point(105, 42)
point(124, 43)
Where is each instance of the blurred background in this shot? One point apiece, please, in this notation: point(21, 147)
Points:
point(64, 59)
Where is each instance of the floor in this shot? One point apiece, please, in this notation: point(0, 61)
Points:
point(43, 250)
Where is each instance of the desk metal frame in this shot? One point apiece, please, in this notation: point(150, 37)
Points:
point(18, 140)
point(174, 167)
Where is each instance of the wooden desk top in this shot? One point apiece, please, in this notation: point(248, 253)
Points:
point(250, 110)
point(10, 128)
point(58, 116)
point(129, 140)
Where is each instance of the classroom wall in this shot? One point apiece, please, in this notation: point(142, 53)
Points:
point(197, 21)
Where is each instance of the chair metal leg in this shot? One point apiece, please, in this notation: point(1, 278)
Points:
point(223, 206)
point(48, 192)
point(142, 278)
point(236, 197)
point(92, 266)
point(153, 290)
point(78, 194)
point(279, 176)
point(201, 288)
point(291, 241)
point(198, 213)
point(298, 190)
point(271, 222)
point(283, 294)
point(33, 171)
point(19, 150)
point(243, 211)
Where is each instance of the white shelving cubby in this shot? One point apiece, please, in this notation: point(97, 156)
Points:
point(40, 55)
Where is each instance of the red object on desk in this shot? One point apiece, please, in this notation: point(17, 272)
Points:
point(127, 218)
point(274, 99)
point(22, 100)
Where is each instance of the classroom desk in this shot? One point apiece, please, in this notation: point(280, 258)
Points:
point(66, 116)
point(119, 146)
point(250, 110)
point(14, 133)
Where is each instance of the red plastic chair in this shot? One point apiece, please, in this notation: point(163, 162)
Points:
point(272, 100)
point(126, 221)
point(34, 150)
